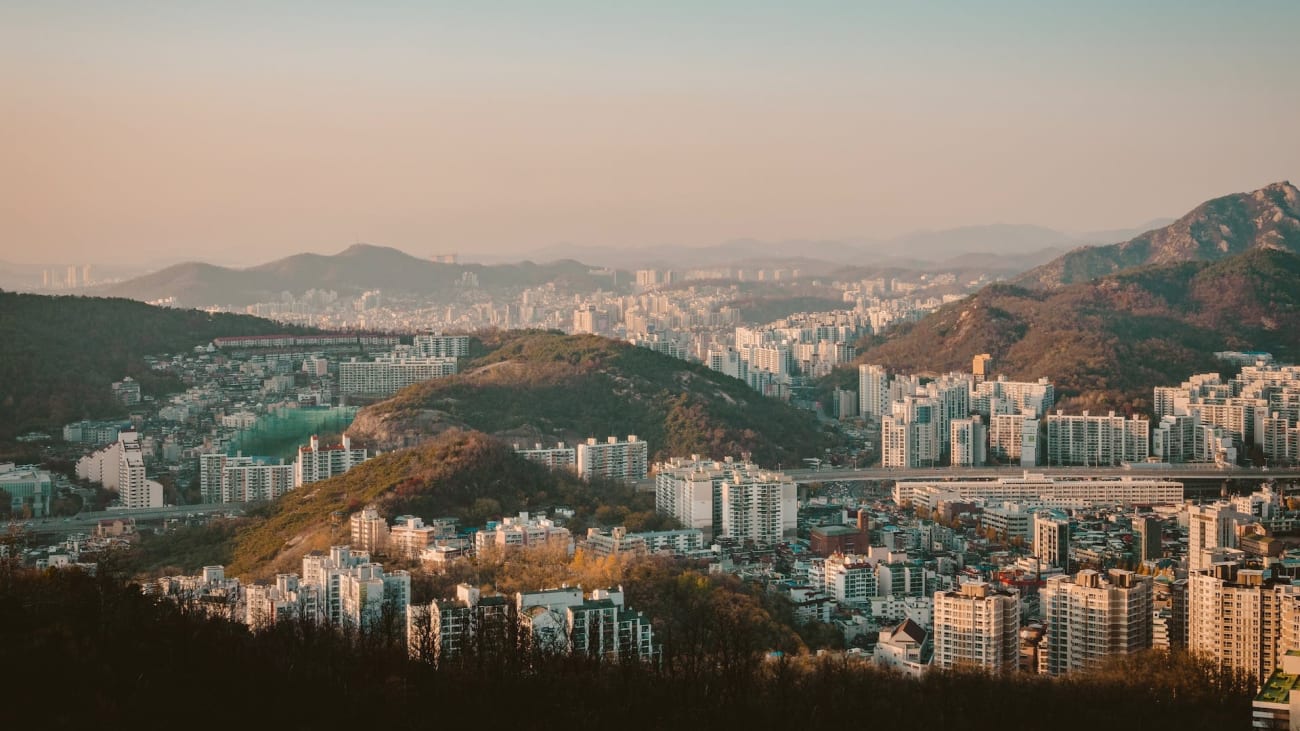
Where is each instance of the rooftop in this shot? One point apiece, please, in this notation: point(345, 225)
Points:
point(1278, 688)
point(836, 530)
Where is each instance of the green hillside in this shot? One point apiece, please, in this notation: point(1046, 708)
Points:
point(767, 309)
point(59, 355)
point(1108, 342)
point(550, 386)
point(466, 475)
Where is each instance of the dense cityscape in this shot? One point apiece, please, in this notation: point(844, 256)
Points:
point(1152, 538)
point(650, 365)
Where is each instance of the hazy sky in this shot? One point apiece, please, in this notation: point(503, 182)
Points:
point(239, 132)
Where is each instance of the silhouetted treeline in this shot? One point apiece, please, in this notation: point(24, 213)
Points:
point(82, 651)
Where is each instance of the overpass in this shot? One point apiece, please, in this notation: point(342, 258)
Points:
point(1180, 472)
point(85, 522)
point(1173, 472)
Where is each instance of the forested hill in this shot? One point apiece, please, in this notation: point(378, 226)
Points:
point(59, 355)
point(543, 386)
point(1109, 341)
point(465, 475)
point(1268, 218)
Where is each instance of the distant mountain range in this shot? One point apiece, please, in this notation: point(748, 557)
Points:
point(1268, 218)
point(356, 269)
point(999, 250)
point(1006, 246)
point(1107, 323)
point(1109, 341)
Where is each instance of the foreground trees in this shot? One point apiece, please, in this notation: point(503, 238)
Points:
point(83, 650)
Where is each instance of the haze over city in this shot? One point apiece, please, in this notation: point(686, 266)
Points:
point(650, 365)
point(146, 134)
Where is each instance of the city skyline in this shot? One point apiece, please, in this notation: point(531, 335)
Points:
point(168, 134)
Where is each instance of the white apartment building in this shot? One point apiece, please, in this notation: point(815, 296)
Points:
point(369, 530)
point(558, 457)
point(92, 432)
point(523, 531)
point(316, 463)
point(774, 359)
point(613, 459)
point(901, 578)
point(1052, 539)
point(727, 499)
point(618, 541)
point(239, 479)
point(1033, 490)
point(680, 542)
point(1091, 618)
point(691, 492)
point(976, 627)
point(909, 436)
point(1032, 399)
point(1183, 438)
point(437, 345)
point(729, 363)
point(134, 489)
point(1010, 521)
point(446, 628)
point(1096, 441)
point(755, 506)
point(850, 579)
point(597, 625)
point(950, 394)
point(1013, 438)
point(387, 375)
point(368, 596)
point(614, 542)
point(409, 536)
point(968, 442)
point(342, 589)
point(285, 600)
point(102, 466)
point(324, 572)
point(1210, 528)
point(873, 391)
point(1240, 619)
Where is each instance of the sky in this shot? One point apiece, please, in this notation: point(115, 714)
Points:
point(238, 132)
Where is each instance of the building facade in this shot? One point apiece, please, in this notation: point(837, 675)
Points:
point(976, 626)
point(728, 499)
point(1090, 618)
point(317, 463)
point(613, 459)
point(387, 375)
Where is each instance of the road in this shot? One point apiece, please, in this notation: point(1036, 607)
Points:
point(1177, 472)
point(85, 522)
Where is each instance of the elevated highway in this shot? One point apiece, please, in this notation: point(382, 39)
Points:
point(1174, 472)
point(85, 522)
